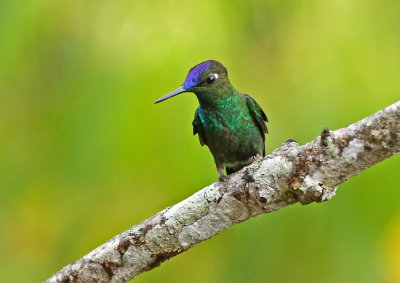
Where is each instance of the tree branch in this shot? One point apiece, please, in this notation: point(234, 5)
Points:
point(290, 174)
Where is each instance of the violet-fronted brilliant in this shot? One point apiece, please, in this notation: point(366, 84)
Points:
point(230, 123)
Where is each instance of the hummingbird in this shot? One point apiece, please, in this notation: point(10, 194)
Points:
point(230, 123)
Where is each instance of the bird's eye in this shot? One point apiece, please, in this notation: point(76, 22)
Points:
point(211, 78)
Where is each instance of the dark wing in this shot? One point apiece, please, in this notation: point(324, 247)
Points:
point(258, 115)
point(198, 128)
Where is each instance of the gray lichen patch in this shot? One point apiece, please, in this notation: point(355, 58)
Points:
point(189, 210)
point(350, 153)
point(212, 193)
point(135, 260)
point(311, 190)
point(134, 232)
point(233, 208)
point(203, 229)
point(92, 272)
point(159, 240)
point(271, 170)
point(106, 253)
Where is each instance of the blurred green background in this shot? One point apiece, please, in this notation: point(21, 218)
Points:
point(84, 153)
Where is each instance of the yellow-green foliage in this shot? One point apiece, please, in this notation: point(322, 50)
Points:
point(84, 153)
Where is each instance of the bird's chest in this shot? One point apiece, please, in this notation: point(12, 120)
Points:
point(225, 123)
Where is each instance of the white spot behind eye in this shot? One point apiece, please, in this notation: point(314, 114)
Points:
point(211, 78)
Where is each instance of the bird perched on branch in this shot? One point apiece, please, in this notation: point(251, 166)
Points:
point(230, 123)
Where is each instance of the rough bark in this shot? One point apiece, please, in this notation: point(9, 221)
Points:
point(290, 174)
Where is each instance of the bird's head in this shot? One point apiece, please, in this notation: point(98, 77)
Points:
point(204, 77)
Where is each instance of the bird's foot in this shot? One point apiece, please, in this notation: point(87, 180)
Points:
point(222, 178)
point(256, 157)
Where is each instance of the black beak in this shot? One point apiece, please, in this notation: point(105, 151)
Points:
point(171, 94)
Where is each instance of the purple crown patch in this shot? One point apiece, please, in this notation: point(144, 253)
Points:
point(195, 74)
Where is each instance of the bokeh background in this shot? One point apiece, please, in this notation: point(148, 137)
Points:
point(85, 154)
